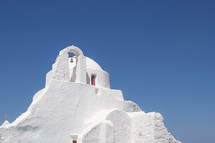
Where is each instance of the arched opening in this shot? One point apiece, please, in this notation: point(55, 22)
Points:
point(72, 65)
point(71, 54)
point(71, 57)
point(77, 64)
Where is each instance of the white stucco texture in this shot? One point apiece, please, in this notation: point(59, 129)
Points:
point(5, 124)
point(101, 132)
point(77, 104)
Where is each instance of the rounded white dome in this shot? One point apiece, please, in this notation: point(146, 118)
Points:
point(91, 64)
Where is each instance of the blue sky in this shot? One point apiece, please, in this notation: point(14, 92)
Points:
point(159, 53)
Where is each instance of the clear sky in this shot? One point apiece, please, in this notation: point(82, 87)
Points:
point(160, 53)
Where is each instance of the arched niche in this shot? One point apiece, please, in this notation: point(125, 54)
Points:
point(79, 72)
point(61, 66)
point(75, 50)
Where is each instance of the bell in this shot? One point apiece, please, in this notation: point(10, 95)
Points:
point(71, 60)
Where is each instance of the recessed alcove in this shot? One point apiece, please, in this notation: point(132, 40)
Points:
point(93, 79)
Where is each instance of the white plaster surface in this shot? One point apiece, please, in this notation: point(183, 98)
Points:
point(5, 124)
point(149, 128)
point(69, 107)
point(101, 132)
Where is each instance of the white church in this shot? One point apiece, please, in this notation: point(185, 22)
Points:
point(77, 105)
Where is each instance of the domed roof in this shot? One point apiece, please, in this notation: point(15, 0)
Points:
point(91, 64)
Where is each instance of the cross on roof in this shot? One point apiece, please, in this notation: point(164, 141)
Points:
point(6, 117)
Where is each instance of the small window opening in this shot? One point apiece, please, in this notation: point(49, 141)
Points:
point(93, 79)
point(74, 141)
